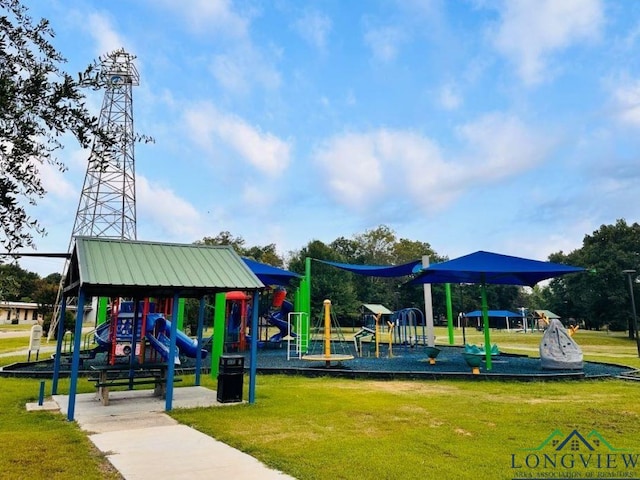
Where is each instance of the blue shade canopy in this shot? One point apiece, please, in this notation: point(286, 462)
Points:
point(270, 275)
point(493, 268)
point(378, 270)
point(493, 313)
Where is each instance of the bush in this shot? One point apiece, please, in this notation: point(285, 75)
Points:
point(69, 323)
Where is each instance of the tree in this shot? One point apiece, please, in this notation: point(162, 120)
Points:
point(17, 284)
point(601, 296)
point(327, 282)
point(39, 104)
point(265, 254)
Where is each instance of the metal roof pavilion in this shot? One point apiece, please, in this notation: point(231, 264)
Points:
point(137, 269)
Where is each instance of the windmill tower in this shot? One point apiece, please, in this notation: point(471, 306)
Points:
point(107, 206)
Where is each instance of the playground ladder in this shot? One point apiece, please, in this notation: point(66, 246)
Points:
point(300, 343)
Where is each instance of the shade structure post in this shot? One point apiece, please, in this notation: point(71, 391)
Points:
point(56, 363)
point(447, 289)
point(217, 346)
point(485, 321)
point(75, 359)
point(253, 359)
point(201, 309)
point(305, 298)
point(428, 306)
point(171, 366)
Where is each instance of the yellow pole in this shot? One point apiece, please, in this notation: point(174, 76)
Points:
point(391, 325)
point(327, 330)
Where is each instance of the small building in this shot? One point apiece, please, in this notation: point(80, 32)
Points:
point(497, 319)
point(25, 313)
point(542, 318)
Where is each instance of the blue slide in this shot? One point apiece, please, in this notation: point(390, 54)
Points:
point(280, 319)
point(185, 344)
point(160, 342)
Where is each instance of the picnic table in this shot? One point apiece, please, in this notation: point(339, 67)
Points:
point(125, 375)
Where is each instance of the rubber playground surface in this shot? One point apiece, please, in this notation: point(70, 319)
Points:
point(404, 363)
point(413, 363)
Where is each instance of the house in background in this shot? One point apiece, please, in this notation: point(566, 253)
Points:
point(19, 313)
point(26, 313)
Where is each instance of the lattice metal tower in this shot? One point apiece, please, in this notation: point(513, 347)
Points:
point(107, 206)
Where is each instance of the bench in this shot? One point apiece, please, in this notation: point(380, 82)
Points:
point(120, 376)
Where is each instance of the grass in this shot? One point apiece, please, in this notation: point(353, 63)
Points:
point(42, 444)
point(324, 428)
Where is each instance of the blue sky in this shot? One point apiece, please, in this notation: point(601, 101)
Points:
point(508, 126)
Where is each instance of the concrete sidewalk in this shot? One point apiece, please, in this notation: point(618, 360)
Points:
point(142, 442)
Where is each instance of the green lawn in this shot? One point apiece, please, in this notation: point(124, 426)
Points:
point(324, 428)
point(42, 444)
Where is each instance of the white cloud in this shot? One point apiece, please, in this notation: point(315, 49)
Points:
point(365, 170)
point(107, 39)
point(210, 16)
point(314, 27)
point(174, 216)
point(626, 98)
point(384, 42)
point(209, 127)
point(242, 67)
point(533, 30)
point(449, 98)
point(503, 145)
point(55, 182)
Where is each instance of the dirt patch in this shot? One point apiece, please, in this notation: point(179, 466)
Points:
point(401, 387)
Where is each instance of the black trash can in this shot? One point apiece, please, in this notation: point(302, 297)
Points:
point(230, 378)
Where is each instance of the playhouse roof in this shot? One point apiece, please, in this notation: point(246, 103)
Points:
point(376, 308)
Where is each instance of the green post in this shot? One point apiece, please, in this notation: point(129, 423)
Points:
point(447, 289)
point(181, 314)
point(305, 301)
point(219, 319)
point(296, 299)
point(101, 318)
point(485, 320)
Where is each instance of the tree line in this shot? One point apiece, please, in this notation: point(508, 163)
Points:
point(596, 299)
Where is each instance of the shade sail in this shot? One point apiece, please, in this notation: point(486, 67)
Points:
point(378, 270)
point(493, 313)
point(487, 267)
point(493, 268)
point(270, 275)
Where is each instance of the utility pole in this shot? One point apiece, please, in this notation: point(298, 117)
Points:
point(633, 327)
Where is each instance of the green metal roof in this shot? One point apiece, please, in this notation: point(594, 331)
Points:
point(125, 267)
point(377, 308)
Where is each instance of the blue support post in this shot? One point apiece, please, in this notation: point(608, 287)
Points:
point(172, 354)
point(253, 359)
point(75, 359)
point(200, 324)
point(41, 394)
point(56, 363)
